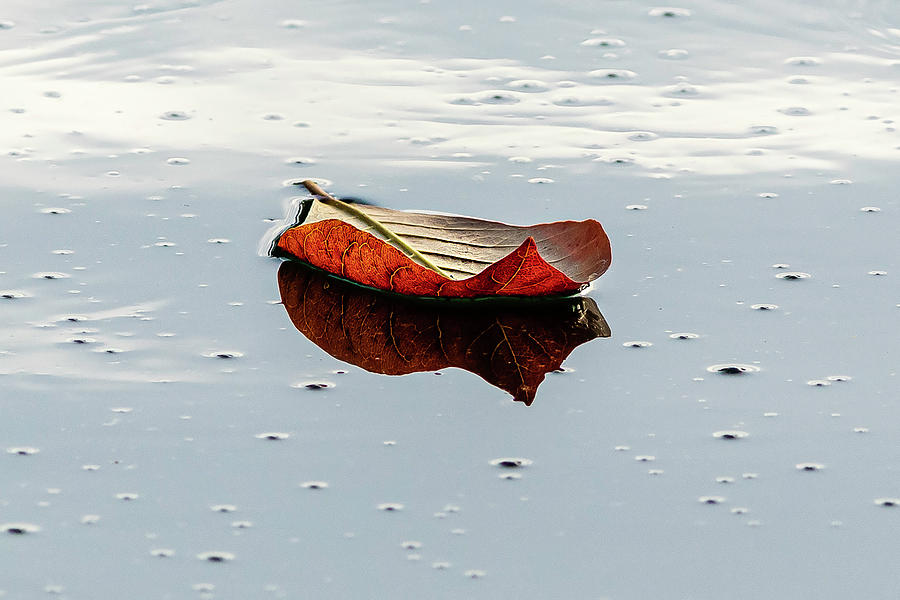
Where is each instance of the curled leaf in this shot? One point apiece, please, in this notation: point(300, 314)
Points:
point(510, 345)
point(435, 255)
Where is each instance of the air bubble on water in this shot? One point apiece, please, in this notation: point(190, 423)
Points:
point(178, 160)
point(768, 194)
point(175, 115)
point(763, 130)
point(216, 556)
point(22, 450)
point(90, 467)
point(441, 565)
point(510, 476)
point(818, 382)
point(223, 508)
point(293, 23)
point(580, 101)
point(272, 117)
point(603, 43)
point(674, 54)
point(732, 369)
point(411, 545)
point(612, 75)
point(203, 587)
point(475, 574)
point(511, 463)
point(637, 344)
point(809, 466)
point(314, 485)
point(887, 502)
point(792, 275)
point(55, 211)
point(301, 161)
point(730, 434)
point(636, 207)
point(6, 24)
point(390, 506)
point(877, 273)
point(681, 90)
point(840, 182)
point(540, 180)
point(711, 499)
point(838, 378)
point(645, 458)
point(218, 241)
point(50, 275)
point(81, 340)
point(162, 552)
point(127, 496)
point(724, 479)
point(798, 80)
point(272, 435)
point(764, 306)
point(19, 528)
point(684, 336)
point(242, 524)
point(90, 519)
point(781, 266)
point(224, 354)
point(313, 385)
point(870, 209)
point(795, 111)
point(803, 61)
point(165, 244)
point(739, 510)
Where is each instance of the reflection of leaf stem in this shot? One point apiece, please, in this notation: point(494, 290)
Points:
point(392, 237)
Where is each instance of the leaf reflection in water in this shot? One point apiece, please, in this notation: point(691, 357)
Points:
point(510, 344)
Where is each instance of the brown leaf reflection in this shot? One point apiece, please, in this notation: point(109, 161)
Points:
point(511, 344)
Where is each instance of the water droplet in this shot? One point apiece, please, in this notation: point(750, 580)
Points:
point(878, 273)
point(314, 485)
point(684, 336)
point(175, 115)
point(90, 519)
point(613, 75)
point(162, 552)
point(731, 434)
point(803, 61)
point(178, 160)
point(293, 23)
point(540, 180)
point(645, 458)
point(225, 355)
point(792, 275)
point(578, 101)
point(637, 344)
point(127, 496)
point(767, 195)
point(19, 528)
point(510, 476)
point(498, 98)
point(242, 524)
point(818, 382)
point(795, 111)
point(218, 241)
point(643, 136)
point(711, 499)
point(272, 435)
point(22, 450)
point(870, 209)
point(669, 12)
point(6, 24)
point(55, 211)
point(764, 306)
point(887, 502)
point(519, 159)
point(528, 85)
point(763, 130)
point(681, 90)
point(732, 369)
point(313, 385)
point(725, 480)
point(839, 378)
point(840, 182)
point(636, 207)
point(165, 244)
point(511, 463)
point(216, 556)
point(674, 54)
point(390, 506)
point(51, 275)
point(300, 161)
point(809, 466)
point(411, 545)
point(860, 430)
point(273, 117)
point(441, 565)
point(13, 294)
point(475, 574)
point(223, 508)
point(603, 43)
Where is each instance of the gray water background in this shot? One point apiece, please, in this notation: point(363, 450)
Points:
point(168, 133)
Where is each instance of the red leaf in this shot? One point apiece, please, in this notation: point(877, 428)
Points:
point(511, 346)
point(486, 258)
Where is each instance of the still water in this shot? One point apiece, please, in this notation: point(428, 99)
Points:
point(167, 432)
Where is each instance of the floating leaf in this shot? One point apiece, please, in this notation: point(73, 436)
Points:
point(435, 255)
point(511, 345)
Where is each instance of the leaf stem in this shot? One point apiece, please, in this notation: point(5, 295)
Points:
point(389, 235)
